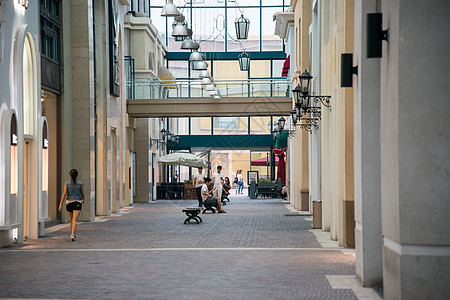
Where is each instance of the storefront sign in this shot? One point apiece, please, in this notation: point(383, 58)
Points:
point(114, 49)
point(13, 139)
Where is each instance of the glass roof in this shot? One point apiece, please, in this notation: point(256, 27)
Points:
point(212, 23)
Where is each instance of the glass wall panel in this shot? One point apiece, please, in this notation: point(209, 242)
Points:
point(270, 41)
point(277, 68)
point(230, 126)
point(158, 21)
point(275, 2)
point(179, 68)
point(252, 43)
point(259, 68)
point(201, 126)
point(260, 125)
point(179, 126)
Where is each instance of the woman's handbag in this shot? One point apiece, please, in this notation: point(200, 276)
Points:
point(235, 180)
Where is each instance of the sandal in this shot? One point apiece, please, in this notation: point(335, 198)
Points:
point(221, 212)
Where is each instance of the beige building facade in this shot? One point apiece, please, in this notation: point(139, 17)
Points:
point(362, 159)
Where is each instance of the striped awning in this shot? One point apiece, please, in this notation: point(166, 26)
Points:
point(286, 66)
point(167, 77)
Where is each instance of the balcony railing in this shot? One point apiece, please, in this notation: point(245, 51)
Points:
point(157, 89)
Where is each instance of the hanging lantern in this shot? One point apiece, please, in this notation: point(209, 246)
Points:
point(242, 25)
point(204, 74)
point(199, 65)
point(244, 61)
point(206, 80)
point(210, 87)
point(195, 55)
point(180, 31)
point(169, 10)
point(188, 43)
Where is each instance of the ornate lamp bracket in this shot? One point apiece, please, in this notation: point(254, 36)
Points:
point(309, 123)
point(325, 100)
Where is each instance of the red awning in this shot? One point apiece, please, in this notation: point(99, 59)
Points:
point(286, 66)
point(263, 161)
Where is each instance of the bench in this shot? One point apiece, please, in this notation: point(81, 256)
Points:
point(192, 214)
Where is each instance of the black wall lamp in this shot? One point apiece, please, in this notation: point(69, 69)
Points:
point(375, 34)
point(303, 105)
point(279, 129)
point(166, 137)
point(347, 70)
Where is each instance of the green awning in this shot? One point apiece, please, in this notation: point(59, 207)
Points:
point(282, 140)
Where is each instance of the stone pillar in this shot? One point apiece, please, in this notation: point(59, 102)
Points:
point(415, 143)
point(368, 240)
point(79, 101)
point(304, 205)
point(141, 146)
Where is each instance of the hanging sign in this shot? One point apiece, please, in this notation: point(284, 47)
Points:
point(278, 151)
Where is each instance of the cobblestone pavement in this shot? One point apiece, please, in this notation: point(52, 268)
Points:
point(257, 250)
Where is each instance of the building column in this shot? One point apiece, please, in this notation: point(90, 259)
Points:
point(78, 101)
point(415, 143)
point(368, 239)
point(141, 144)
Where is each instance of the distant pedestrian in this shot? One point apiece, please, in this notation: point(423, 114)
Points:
point(240, 183)
point(175, 176)
point(74, 196)
point(199, 180)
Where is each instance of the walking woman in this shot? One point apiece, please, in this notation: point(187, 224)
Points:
point(73, 190)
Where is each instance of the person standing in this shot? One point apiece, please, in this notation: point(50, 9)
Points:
point(199, 180)
point(175, 176)
point(218, 179)
point(74, 196)
point(240, 184)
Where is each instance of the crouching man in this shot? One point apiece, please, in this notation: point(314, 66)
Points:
point(207, 196)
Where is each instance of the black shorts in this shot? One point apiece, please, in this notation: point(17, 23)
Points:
point(70, 207)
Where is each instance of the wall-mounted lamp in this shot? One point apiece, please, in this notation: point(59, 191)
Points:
point(347, 70)
point(375, 35)
point(303, 103)
point(279, 129)
point(166, 137)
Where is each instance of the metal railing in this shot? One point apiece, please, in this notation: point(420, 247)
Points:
point(184, 88)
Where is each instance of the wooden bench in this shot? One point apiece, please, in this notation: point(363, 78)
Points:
point(192, 214)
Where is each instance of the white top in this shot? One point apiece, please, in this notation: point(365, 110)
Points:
point(199, 179)
point(217, 178)
point(239, 177)
point(205, 189)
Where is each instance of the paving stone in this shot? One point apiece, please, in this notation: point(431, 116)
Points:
point(253, 251)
